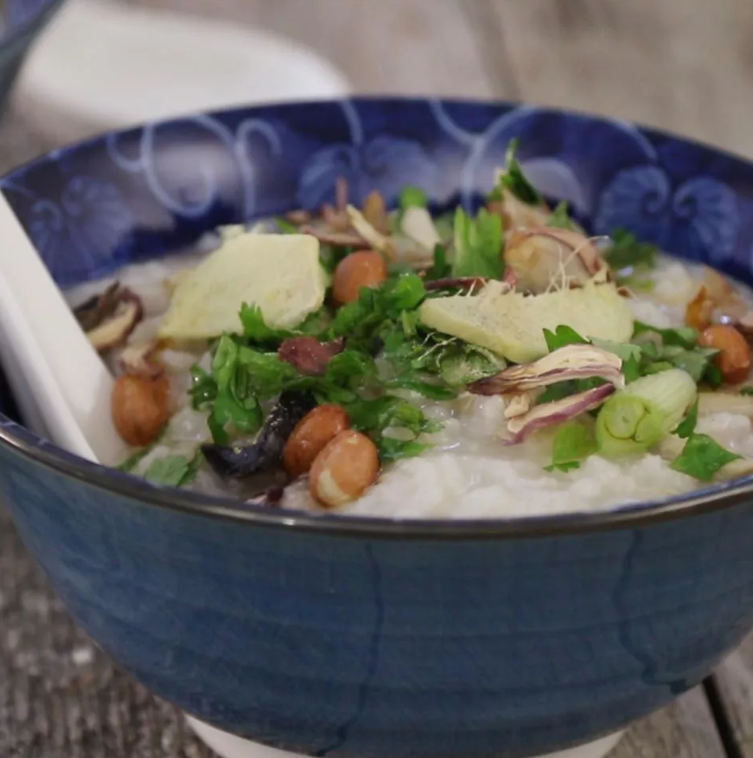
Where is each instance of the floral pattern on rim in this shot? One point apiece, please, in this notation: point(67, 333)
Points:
point(226, 167)
point(91, 216)
point(700, 218)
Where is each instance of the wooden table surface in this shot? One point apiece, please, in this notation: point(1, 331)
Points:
point(683, 65)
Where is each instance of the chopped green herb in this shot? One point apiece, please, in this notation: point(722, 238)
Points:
point(563, 467)
point(478, 245)
point(557, 392)
point(391, 449)
point(413, 197)
point(560, 218)
point(285, 226)
point(684, 336)
point(174, 470)
point(562, 335)
point(203, 389)
point(623, 350)
point(461, 364)
point(746, 390)
point(713, 376)
point(627, 253)
point(687, 426)
point(573, 441)
point(702, 457)
point(631, 369)
point(695, 362)
point(235, 403)
point(373, 417)
point(426, 388)
point(636, 283)
point(441, 268)
point(331, 255)
point(256, 329)
point(133, 460)
point(363, 319)
point(515, 180)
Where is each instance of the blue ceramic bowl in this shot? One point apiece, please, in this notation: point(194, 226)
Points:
point(23, 21)
point(338, 636)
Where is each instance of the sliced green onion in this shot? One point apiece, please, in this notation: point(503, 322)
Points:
point(647, 410)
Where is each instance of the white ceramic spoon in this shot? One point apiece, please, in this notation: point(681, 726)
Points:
point(103, 65)
point(59, 380)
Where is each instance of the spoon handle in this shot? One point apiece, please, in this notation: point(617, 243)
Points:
point(63, 373)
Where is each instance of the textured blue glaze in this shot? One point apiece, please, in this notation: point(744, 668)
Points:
point(361, 646)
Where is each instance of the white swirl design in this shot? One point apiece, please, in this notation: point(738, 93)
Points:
point(196, 174)
point(192, 166)
point(711, 207)
point(700, 219)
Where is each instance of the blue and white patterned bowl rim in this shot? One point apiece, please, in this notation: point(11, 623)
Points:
point(636, 185)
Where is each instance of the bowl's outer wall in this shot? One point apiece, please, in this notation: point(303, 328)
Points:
point(341, 644)
point(23, 21)
point(324, 644)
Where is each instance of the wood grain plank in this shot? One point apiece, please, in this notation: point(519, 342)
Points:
point(386, 47)
point(684, 729)
point(682, 65)
point(734, 681)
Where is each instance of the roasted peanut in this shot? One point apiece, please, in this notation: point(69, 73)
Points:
point(344, 470)
point(366, 268)
point(734, 357)
point(140, 407)
point(311, 435)
point(699, 310)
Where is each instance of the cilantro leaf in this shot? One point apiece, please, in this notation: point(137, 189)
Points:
point(562, 335)
point(630, 355)
point(174, 470)
point(428, 389)
point(515, 180)
point(478, 245)
point(557, 391)
point(560, 217)
point(441, 268)
point(627, 253)
point(412, 197)
point(623, 350)
point(573, 441)
point(456, 363)
point(286, 227)
point(746, 390)
point(361, 319)
point(563, 467)
point(130, 463)
point(391, 449)
point(235, 402)
point(713, 376)
point(461, 364)
point(256, 329)
point(695, 362)
point(684, 336)
point(702, 457)
point(631, 369)
point(203, 389)
point(687, 426)
point(373, 417)
point(331, 255)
